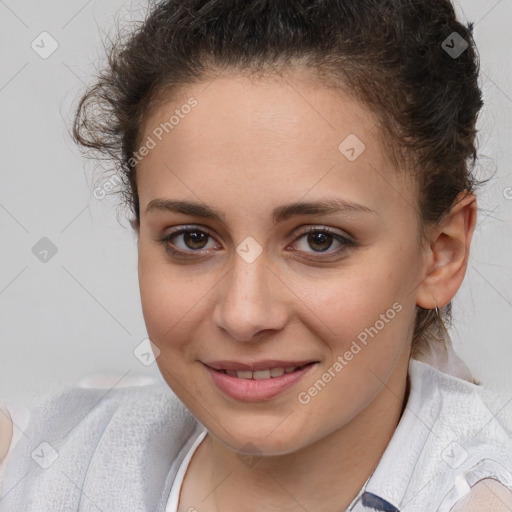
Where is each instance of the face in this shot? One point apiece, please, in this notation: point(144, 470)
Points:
point(265, 285)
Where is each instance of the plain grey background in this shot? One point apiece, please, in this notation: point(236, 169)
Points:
point(79, 313)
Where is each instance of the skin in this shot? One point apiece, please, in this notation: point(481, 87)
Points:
point(6, 431)
point(249, 146)
point(488, 494)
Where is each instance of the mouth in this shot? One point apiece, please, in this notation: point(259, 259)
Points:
point(257, 384)
point(269, 373)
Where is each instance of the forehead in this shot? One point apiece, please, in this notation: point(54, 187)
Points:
point(278, 136)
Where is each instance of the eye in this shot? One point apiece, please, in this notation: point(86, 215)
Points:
point(321, 239)
point(193, 240)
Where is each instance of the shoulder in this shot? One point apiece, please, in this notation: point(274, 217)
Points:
point(103, 442)
point(464, 441)
point(14, 418)
point(6, 430)
point(487, 494)
point(93, 408)
point(92, 412)
point(465, 409)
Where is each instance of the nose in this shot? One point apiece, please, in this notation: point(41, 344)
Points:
point(252, 301)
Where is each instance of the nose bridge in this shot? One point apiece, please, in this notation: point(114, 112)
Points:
point(248, 302)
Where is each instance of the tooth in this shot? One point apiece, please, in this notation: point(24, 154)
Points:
point(262, 374)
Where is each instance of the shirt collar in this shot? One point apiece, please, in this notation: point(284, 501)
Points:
point(387, 485)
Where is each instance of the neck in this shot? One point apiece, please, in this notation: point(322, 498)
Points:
point(323, 476)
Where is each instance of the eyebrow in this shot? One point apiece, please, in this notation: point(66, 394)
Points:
point(328, 205)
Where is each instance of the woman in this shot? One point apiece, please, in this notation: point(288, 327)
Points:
point(299, 175)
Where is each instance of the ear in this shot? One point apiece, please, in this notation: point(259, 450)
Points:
point(447, 253)
point(135, 224)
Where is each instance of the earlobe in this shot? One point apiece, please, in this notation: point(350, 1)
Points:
point(135, 224)
point(448, 253)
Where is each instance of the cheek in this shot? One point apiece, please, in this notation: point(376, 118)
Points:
point(353, 300)
point(168, 299)
point(365, 322)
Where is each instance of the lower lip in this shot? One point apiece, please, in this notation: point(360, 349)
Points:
point(250, 390)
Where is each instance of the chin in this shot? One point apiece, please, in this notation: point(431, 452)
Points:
point(261, 446)
point(262, 438)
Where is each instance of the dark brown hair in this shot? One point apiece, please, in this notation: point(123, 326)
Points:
point(410, 62)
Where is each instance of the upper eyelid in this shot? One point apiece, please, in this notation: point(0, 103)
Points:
point(314, 227)
point(310, 228)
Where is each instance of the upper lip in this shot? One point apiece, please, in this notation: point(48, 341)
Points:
point(255, 366)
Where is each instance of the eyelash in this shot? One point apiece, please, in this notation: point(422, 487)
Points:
point(347, 244)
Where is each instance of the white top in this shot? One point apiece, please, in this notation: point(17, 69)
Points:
point(20, 415)
point(424, 423)
point(174, 496)
point(471, 444)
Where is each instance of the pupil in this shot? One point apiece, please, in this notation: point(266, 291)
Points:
point(194, 237)
point(319, 238)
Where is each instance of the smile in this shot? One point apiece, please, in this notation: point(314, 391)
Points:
point(272, 373)
point(257, 385)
